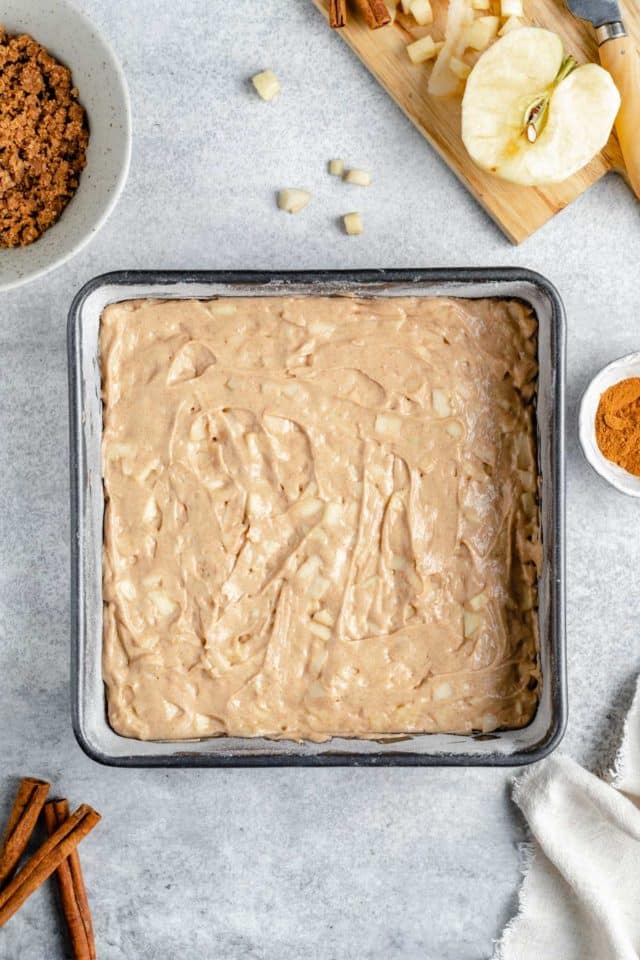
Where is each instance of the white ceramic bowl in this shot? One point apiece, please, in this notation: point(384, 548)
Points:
point(621, 369)
point(75, 42)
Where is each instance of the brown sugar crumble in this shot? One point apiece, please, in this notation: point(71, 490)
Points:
point(43, 139)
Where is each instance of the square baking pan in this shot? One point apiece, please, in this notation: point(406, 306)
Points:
point(502, 748)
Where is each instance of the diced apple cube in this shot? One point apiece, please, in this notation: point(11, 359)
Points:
point(511, 8)
point(421, 50)
point(459, 68)
point(353, 224)
point(362, 178)
point(293, 200)
point(421, 12)
point(481, 33)
point(267, 84)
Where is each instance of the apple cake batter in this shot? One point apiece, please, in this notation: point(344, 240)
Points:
point(321, 516)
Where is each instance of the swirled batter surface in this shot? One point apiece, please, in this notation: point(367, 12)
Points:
point(321, 516)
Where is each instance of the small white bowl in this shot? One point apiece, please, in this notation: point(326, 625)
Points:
point(621, 369)
point(76, 43)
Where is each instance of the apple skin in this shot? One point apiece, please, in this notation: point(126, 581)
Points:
point(507, 78)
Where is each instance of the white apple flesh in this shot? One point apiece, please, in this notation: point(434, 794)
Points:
point(577, 112)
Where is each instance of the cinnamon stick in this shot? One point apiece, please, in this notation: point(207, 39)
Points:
point(375, 13)
point(73, 894)
point(337, 13)
point(24, 815)
point(46, 860)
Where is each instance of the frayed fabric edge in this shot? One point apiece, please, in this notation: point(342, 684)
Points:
point(619, 772)
point(528, 853)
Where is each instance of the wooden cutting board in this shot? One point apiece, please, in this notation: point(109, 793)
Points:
point(519, 211)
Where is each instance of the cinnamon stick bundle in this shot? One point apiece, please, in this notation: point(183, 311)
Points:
point(62, 842)
point(375, 13)
point(337, 13)
point(73, 894)
point(24, 815)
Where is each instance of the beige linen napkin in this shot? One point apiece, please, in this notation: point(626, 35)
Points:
point(580, 898)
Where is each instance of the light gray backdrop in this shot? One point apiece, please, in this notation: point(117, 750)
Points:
point(284, 864)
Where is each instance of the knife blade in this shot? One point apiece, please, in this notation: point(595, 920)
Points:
point(597, 12)
point(619, 56)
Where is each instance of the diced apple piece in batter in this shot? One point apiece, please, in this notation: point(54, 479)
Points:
point(442, 691)
point(471, 623)
point(440, 403)
point(127, 589)
point(325, 617)
point(478, 602)
point(388, 426)
point(151, 514)
point(319, 630)
point(489, 723)
point(163, 603)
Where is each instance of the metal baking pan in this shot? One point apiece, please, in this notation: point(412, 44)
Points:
point(503, 748)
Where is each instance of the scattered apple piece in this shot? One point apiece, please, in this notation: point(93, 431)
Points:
point(353, 224)
point(336, 168)
point(267, 84)
point(293, 200)
point(360, 177)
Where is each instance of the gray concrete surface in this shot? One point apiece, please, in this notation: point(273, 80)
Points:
point(283, 864)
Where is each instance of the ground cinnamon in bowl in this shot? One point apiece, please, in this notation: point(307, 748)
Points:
point(43, 139)
point(618, 424)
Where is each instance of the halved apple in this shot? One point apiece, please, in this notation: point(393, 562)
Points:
point(530, 114)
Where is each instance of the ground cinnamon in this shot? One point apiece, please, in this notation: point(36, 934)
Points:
point(618, 424)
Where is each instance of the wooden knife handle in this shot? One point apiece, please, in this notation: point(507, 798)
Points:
point(620, 57)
